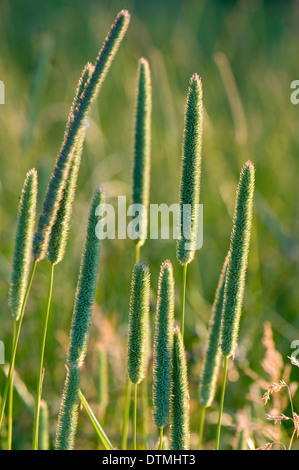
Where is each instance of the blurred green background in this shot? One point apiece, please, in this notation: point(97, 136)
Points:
point(247, 55)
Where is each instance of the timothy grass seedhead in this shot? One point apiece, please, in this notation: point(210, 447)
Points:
point(86, 286)
point(210, 368)
point(75, 126)
point(23, 243)
point(68, 414)
point(138, 323)
point(142, 145)
point(179, 407)
point(190, 172)
point(60, 229)
point(163, 345)
point(238, 259)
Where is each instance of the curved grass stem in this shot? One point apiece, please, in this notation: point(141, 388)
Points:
point(15, 344)
point(41, 363)
point(221, 404)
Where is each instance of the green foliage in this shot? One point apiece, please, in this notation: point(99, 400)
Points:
point(210, 367)
point(86, 286)
point(138, 329)
point(190, 172)
point(142, 144)
point(73, 133)
point(179, 407)
point(68, 414)
point(163, 345)
point(59, 232)
point(237, 264)
point(23, 243)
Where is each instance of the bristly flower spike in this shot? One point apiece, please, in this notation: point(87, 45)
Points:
point(138, 323)
point(163, 345)
point(73, 131)
point(68, 414)
point(84, 298)
point(190, 172)
point(179, 407)
point(238, 259)
point(23, 244)
point(211, 361)
point(142, 146)
point(86, 286)
point(60, 229)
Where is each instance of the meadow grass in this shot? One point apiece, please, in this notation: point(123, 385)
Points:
point(249, 83)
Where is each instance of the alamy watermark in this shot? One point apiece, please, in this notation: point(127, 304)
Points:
point(295, 345)
point(295, 94)
point(2, 353)
point(2, 92)
point(161, 221)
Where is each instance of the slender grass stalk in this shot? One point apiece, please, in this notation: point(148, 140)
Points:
point(190, 183)
point(179, 407)
point(15, 345)
point(161, 438)
point(201, 426)
point(236, 272)
point(41, 363)
point(163, 346)
point(100, 432)
point(74, 128)
point(138, 330)
point(135, 417)
point(43, 436)
point(142, 147)
point(211, 362)
point(10, 399)
point(84, 298)
point(124, 436)
point(183, 299)
point(218, 431)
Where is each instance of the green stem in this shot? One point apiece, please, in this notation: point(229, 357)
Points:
point(201, 426)
point(145, 412)
point(221, 404)
point(10, 398)
point(100, 431)
point(15, 345)
point(124, 438)
point(137, 254)
point(41, 363)
point(135, 418)
point(183, 298)
point(161, 439)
